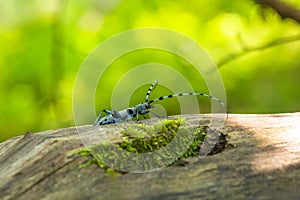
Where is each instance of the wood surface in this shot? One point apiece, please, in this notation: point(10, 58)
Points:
point(264, 164)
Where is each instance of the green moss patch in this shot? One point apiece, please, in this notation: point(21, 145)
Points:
point(163, 143)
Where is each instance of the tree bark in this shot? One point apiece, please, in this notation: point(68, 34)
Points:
point(264, 164)
point(283, 9)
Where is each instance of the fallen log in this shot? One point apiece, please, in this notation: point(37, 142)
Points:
point(264, 164)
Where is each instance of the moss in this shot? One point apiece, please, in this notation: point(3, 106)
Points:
point(144, 139)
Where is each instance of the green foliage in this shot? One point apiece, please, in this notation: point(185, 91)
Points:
point(43, 44)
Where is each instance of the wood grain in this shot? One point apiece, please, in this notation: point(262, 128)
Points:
point(264, 164)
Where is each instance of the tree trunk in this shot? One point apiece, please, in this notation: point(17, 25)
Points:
point(264, 164)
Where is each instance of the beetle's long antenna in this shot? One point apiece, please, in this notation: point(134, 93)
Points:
point(150, 89)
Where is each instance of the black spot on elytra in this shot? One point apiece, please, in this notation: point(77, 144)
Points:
point(130, 111)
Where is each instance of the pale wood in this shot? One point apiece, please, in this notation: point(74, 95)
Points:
point(265, 164)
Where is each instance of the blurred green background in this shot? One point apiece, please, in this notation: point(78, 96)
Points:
point(44, 42)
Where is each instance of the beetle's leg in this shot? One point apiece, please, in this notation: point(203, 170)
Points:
point(100, 114)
